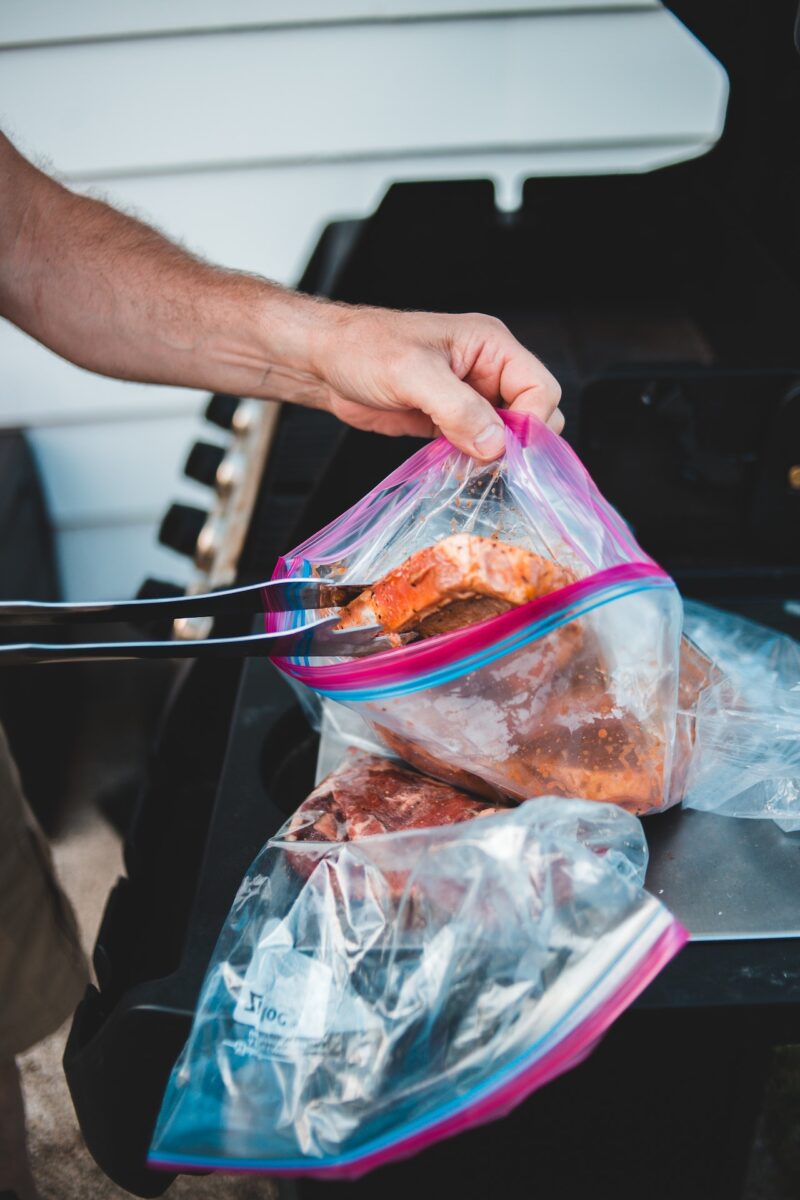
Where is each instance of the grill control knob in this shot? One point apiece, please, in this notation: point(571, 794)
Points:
point(203, 462)
point(208, 543)
point(248, 414)
point(231, 471)
point(221, 408)
point(181, 528)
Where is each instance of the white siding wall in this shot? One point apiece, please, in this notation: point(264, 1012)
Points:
point(243, 128)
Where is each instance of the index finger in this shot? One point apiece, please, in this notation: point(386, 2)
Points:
point(526, 385)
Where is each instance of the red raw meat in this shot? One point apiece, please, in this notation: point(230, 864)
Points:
point(366, 796)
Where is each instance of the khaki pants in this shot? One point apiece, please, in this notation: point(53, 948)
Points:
point(43, 970)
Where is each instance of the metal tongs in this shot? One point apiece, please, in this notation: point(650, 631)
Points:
point(315, 639)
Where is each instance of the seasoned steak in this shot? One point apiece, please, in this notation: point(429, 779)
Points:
point(366, 796)
point(607, 759)
point(563, 739)
point(457, 582)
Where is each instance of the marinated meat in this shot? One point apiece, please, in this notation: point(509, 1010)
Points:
point(545, 720)
point(420, 758)
point(457, 582)
point(367, 795)
point(580, 744)
point(570, 743)
point(608, 760)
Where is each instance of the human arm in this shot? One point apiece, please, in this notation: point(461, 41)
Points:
point(115, 296)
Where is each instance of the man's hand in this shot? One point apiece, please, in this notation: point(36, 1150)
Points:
point(113, 295)
point(416, 373)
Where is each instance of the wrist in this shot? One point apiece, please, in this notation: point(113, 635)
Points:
point(296, 336)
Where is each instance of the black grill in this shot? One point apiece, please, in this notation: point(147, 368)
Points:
point(669, 306)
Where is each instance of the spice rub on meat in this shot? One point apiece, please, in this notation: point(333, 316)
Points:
point(608, 760)
point(457, 582)
point(570, 744)
point(367, 795)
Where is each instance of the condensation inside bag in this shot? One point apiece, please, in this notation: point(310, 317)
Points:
point(573, 694)
point(365, 996)
point(745, 761)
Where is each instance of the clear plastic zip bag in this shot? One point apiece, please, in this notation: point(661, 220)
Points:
point(571, 692)
point(745, 722)
point(369, 997)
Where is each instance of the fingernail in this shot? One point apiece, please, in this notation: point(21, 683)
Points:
point(491, 441)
